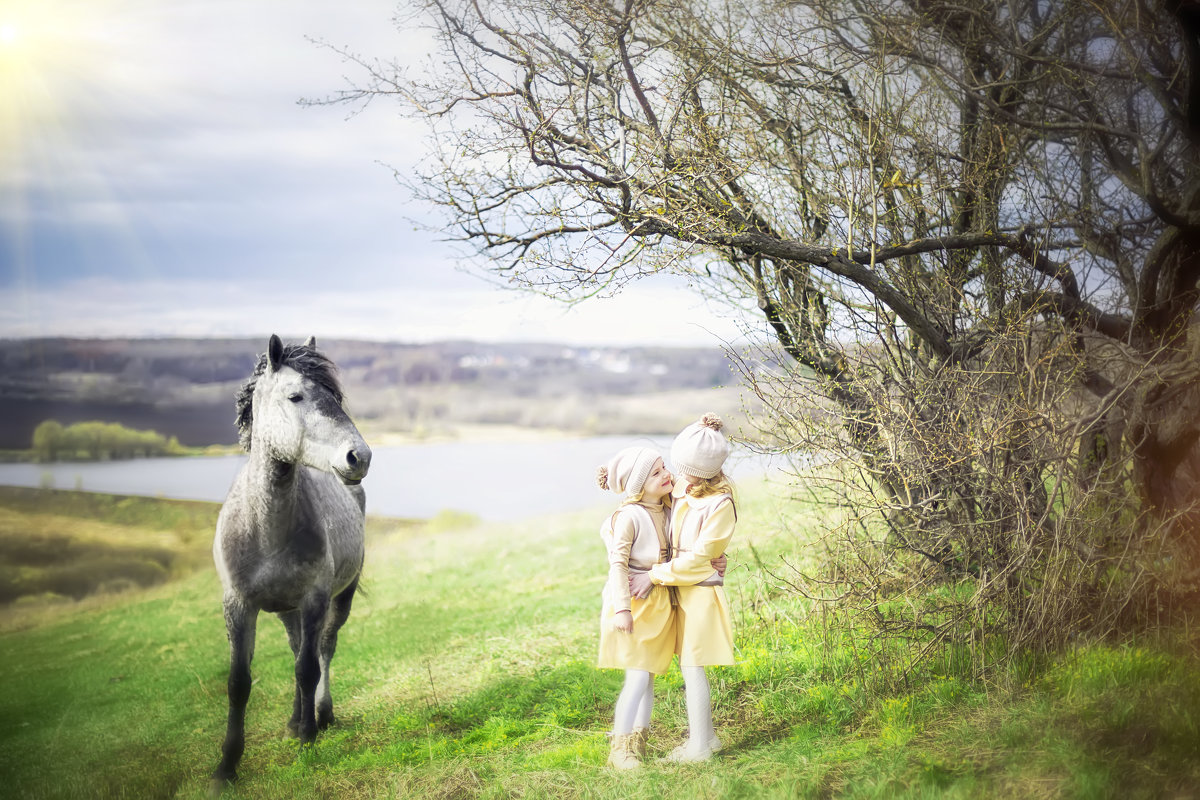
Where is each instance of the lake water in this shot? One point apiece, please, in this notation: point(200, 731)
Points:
point(493, 480)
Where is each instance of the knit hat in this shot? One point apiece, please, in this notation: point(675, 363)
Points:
point(626, 472)
point(700, 449)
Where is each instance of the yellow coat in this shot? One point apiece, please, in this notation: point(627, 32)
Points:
point(637, 541)
point(701, 530)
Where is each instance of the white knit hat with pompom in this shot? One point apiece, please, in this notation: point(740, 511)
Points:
point(700, 449)
point(626, 472)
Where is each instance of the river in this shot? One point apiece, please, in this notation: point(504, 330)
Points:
point(496, 481)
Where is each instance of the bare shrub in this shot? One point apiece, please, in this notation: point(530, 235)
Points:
point(990, 506)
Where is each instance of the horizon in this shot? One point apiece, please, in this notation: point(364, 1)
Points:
point(289, 337)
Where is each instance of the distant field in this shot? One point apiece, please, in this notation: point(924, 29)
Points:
point(466, 671)
point(56, 544)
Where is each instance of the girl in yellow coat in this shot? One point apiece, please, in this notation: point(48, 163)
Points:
point(702, 523)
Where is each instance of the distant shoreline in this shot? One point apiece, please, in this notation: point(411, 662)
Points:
point(472, 433)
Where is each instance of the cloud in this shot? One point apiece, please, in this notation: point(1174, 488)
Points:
point(164, 180)
point(180, 123)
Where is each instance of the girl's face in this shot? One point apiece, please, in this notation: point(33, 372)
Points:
point(658, 483)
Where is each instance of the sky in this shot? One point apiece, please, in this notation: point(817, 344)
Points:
point(159, 176)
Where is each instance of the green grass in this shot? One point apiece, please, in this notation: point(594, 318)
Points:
point(466, 670)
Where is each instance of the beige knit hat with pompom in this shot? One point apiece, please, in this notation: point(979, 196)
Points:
point(700, 449)
point(626, 472)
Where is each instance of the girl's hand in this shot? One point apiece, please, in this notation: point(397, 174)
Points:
point(623, 622)
point(640, 585)
point(719, 564)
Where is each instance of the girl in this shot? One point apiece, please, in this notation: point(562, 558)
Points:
point(636, 634)
point(702, 521)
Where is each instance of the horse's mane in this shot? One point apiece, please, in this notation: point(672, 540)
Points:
point(304, 359)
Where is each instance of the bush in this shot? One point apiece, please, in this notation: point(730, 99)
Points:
point(979, 510)
point(98, 441)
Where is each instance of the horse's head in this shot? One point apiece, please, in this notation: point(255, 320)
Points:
point(291, 409)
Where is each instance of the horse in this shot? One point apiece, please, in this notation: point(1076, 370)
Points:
point(289, 536)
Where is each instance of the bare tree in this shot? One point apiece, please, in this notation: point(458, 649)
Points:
point(964, 222)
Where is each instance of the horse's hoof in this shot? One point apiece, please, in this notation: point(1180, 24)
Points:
point(220, 780)
point(293, 729)
point(325, 720)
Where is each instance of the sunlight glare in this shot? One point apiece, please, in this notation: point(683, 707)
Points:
point(45, 51)
point(38, 41)
point(54, 70)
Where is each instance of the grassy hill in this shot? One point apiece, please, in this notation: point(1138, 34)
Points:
point(466, 670)
point(58, 545)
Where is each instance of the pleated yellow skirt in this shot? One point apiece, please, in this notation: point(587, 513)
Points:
point(705, 629)
point(651, 646)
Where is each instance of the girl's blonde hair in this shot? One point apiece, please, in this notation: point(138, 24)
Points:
point(667, 500)
point(706, 487)
point(637, 498)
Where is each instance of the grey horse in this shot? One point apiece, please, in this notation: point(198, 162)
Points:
point(289, 536)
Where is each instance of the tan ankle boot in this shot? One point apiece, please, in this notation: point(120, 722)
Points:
point(695, 751)
point(640, 737)
point(623, 754)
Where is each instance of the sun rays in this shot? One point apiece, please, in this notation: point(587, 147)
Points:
point(61, 71)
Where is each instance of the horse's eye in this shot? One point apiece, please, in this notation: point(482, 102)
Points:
point(295, 397)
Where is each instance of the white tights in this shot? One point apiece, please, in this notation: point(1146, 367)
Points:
point(635, 702)
point(699, 705)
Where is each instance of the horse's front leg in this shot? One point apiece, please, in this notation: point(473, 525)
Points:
point(240, 624)
point(308, 663)
point(292, 623)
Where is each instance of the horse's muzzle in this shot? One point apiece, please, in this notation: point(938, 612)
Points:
point(355, 464)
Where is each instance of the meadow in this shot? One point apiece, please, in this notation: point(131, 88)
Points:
point(466, 670)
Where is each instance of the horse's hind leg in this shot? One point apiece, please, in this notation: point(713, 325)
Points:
point(339, 611)
point(240, 624)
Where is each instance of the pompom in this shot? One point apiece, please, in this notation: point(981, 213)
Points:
point(602, 478)
point(711, 420)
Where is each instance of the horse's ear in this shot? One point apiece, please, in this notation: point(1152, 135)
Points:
point(275, 352)
point(311, 342)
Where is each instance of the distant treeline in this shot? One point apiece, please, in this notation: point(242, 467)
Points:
point(99, 441)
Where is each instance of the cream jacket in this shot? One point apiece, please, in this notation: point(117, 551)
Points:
point(639, 541)
point(701, 529)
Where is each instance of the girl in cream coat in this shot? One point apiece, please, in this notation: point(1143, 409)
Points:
point(636, 634)
point(702, 522)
